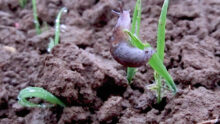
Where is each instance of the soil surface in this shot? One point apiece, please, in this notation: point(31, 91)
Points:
point(82, 73)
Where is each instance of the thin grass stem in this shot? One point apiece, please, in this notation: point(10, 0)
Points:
point(135, 29)
point(55, 41)
point(161, 46)
point(156, 63)
point(36, 22)
point(57, 27)
point(161, 30)
point(22, 3)
point(37, 92)
point(138, 18)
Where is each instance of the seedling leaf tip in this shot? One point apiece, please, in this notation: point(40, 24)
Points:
point(37, 92)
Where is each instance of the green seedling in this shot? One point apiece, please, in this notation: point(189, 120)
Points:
point(161, 47)
point(37, 92)
point(156, 61)
point(36, 22)
point(134, 53)
point(135, 29)
point(22, 3)
point(55, 41)
point(34, 8)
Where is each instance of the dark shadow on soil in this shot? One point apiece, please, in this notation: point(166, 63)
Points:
point(109, 88)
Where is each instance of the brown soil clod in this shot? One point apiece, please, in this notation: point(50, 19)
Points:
point(82, 73)
point(110, 110)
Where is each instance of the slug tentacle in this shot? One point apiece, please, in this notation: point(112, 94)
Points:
point(121, 49)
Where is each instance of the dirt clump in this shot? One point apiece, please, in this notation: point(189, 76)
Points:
point(81, 72)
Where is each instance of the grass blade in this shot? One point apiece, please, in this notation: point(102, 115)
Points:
point(138, 22)
point(135, 29)
point(57, 27)
point(36, 22)
point(159, 85)
point(130, 73)
point(22, 3)
point(38, 92)
point(50, 45)
point(156, 63)
point(160, 50)
point(161, 31)
point(135, 17)
point(137, 42)
point(54, 42)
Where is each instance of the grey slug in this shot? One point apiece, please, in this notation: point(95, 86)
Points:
point(121, 49)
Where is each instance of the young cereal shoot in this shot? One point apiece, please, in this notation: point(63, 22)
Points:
point(135, 29)
point(55, 41)
point(22, 3)
point(160, 48)
point(37, 92)
point(36, 22)
point(132, 52)
point(34, 8)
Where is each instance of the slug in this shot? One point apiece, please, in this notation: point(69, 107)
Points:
point(121, 49)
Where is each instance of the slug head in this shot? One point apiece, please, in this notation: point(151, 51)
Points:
point(123, 23)
point(124, 20)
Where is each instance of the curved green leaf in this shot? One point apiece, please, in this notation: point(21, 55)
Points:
point(38, 92)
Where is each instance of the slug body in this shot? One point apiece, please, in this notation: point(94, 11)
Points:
point(121, 49)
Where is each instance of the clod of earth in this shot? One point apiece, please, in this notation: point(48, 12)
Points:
point(81, 72)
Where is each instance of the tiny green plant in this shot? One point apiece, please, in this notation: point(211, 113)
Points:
point(136, 53)
point(156, 61)
point(55, 41)
point(161, 47)
point(37, 92)
point(22, 3)
point(135, 29)
point(34, 8)
point(36, 22)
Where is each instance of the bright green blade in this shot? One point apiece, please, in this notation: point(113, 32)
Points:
point(138, 19)
point(50, 45)
point(55, 42)
point(36, 22)
point(137, 42)
point(22, 3)
point(156, 63)
point(37, 92)
point(135, 29)
point(130, 73)
point(135, 18)
point(57, 27)
point(161, 31)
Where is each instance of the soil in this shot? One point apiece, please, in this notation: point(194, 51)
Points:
point(82, 73)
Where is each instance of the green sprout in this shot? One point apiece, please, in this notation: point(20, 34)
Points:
point(22, 3)
point(55, 41)
point(34, 8)
point(161, 47)
point(37, 92)
point(36, 22)
point(135, 29)
point(156, 61)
